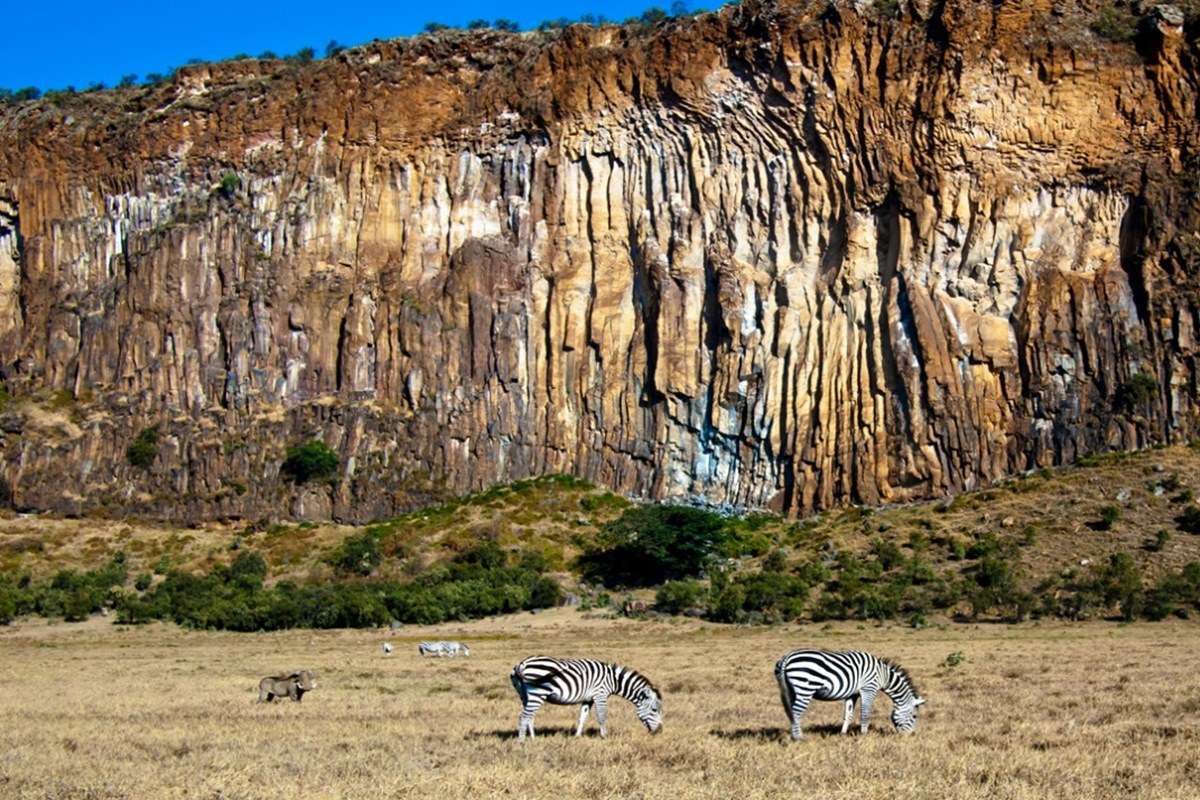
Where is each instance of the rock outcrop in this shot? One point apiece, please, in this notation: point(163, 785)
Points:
point(788, 255)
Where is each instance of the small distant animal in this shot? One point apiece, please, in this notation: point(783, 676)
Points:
point(443, 649)
point(632, 608)
point(854, 676)
point(541, 679)
point(387, 648)
point(293, 686)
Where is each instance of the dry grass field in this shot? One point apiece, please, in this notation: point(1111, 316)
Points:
point(1080, 711)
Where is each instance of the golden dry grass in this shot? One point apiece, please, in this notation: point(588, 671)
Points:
point(1066, 711)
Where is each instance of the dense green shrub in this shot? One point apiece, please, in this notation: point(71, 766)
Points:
point(651, 544)
point(676, 597)
point(312, 460)
point(144, 448)
point(359, 554)
point(9, 596)
point(479, 582)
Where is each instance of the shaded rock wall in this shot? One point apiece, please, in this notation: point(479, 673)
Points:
point(789, 255)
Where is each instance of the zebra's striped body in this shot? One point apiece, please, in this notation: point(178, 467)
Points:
point(541, 679)
point(805, 675)
point(443, 649)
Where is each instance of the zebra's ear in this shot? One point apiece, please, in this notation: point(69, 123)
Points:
point(918, 701)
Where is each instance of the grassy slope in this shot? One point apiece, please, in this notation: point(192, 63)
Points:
point(1050, 515)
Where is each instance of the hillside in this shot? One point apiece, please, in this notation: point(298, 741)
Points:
point(791, 255)
point(1048, 527)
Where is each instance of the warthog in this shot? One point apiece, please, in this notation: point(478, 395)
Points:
point(293, 686)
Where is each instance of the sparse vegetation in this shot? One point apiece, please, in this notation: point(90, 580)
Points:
point(1115, 23)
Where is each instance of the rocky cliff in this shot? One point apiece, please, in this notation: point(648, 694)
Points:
point(788, 255)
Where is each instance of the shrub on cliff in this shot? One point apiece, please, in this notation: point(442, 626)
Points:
point(651, 544)
point(1114, 24)
point(144, 448)
point(312, 460)
point(1135, 392)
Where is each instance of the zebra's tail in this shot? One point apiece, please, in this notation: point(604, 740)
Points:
point(785, 688)
point(517, 676)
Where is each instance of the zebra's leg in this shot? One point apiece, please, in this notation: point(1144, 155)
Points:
point(583, 713)
point(602, 715)
point(848, 715)
point(800, 703)
point(868, 700)
point(525, 723)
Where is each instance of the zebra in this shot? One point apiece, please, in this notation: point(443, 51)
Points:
point(451, 649)
point(541, 679)
point(847, 676)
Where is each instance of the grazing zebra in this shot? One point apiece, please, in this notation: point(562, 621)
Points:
point(540, 679)
point(441, 649)
point(850, 676)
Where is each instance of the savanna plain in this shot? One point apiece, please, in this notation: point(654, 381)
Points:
point(1083, 710)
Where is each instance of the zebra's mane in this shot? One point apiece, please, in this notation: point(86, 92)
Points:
point(637, 676)
point(903, 673)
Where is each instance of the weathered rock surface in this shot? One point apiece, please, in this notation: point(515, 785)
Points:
point(788, 255)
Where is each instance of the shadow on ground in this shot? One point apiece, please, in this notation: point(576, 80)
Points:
point(511, 733)
point(775, 733)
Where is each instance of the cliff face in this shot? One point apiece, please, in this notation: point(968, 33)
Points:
point(788, 255)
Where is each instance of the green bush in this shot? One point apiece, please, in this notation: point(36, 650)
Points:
point(143, 581)
point(312, 460)
point(1136, 392)
point(1114, 24)
point(1109, 515)
point(479, 582)
point(9, 595)
point(886, 553)
point(676, 597)
point(1159, 541)
point(230, 183)
point(651, 544)
point(358, 554)
point(1119, 583)
point(141, 452)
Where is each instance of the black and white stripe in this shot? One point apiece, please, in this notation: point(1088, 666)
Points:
point(805, 675)
point(541, 679)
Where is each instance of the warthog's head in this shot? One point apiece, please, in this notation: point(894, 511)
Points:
point(304, 680)
point(649, 709)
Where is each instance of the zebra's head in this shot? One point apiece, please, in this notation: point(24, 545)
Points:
point(649, 709)
point(904, 715)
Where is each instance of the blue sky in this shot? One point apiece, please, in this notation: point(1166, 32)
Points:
point(56, 43)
